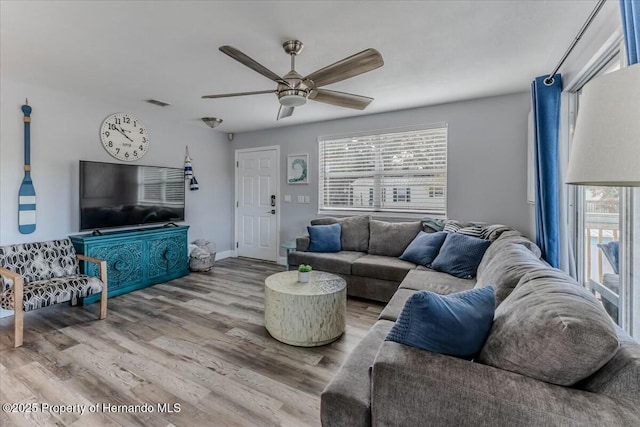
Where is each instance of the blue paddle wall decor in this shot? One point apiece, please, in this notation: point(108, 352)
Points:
point(27, 193)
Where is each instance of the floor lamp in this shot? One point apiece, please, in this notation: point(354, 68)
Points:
point(606, 152)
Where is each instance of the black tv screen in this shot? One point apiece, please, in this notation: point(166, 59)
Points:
point(120, 195)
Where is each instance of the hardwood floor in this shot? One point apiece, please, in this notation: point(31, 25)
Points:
point(198, 341)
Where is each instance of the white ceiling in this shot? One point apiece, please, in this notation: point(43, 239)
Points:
point(434, 51)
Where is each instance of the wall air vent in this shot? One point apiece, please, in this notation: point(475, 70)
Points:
point(158, 102)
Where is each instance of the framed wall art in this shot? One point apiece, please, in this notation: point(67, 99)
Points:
point(298, 168)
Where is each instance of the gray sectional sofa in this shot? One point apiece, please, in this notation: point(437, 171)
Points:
point(553, 356)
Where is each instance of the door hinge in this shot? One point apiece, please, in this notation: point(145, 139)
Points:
point(237, 204)
point(236, 245)
point(237, 164)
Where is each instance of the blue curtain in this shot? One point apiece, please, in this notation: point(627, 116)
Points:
point(546, 116)
point(631, 25)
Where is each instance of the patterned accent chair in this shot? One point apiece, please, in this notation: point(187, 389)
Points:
point(37, 275)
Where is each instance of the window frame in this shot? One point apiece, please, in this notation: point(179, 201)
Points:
point(382, 195)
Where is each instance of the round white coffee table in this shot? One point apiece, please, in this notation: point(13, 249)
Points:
point(305, 314)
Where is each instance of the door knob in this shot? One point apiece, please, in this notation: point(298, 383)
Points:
point(272, 211)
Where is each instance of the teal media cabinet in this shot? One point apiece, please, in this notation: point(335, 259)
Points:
point(135, 258)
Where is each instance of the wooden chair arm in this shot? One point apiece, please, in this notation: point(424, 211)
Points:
point(11, 275)
point(102, 264)
point(89, 259)
point(18, 295)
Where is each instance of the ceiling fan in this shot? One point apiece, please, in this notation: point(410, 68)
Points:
point(293, 89)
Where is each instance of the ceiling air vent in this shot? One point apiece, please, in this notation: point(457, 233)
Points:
point(158, 102)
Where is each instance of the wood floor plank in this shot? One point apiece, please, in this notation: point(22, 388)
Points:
point(198, 341)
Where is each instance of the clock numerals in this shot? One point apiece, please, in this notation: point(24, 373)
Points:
point(124, 137)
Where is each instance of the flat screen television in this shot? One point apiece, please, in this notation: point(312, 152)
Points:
point(121, 195)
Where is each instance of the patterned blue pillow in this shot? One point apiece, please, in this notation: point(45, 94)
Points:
point(460, 255)
point(324, 238)
point(424, 248)
point(456, 324)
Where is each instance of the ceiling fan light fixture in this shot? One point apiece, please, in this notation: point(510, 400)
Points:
point(212, 122)
point(292, 98)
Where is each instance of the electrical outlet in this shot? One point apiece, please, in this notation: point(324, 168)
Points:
point(300, 199)
point(307, 199)
point(287, 198)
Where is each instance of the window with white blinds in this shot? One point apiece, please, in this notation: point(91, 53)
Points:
point(399, 171)
point(161, 186)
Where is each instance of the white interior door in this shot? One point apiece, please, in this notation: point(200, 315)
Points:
point(257, 203)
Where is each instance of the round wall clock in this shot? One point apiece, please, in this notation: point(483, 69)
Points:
point(124, 137)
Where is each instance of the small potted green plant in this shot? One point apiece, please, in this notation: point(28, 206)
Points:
point(304, 270)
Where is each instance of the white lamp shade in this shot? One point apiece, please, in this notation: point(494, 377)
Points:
point(606, 142)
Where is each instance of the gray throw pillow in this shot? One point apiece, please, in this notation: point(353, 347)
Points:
point(550, 328)
point(391, 238)
point(355, 231)
point(505, 270)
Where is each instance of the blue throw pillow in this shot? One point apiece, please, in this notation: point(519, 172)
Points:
point(324, 238)
point(460, 255)
point(456, 324)
point(612, 251)
point(424, 248)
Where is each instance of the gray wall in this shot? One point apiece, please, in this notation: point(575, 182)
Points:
point(65, 129)
point(487, 158)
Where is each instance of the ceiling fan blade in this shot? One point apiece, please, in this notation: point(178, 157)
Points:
point(227, 95)
point(251, 63)
point(354, 65)
point(284, 112)
point(341, 99)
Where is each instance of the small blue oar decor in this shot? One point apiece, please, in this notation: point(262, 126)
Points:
point(27, 193)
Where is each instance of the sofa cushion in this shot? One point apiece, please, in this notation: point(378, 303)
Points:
point(424, 248)
point(620, 377)
point(355, 231)
point(550, 328)
point(324, 238)
point(43, 293)
point(393, 309)
point(425, 279)
point(334, 262)
point(346, 401)
point(381, 267)
point(460, 255)
point(509, 237)
point(391, 238)
point(504, 272)
point(456, 324)
point(39, 260)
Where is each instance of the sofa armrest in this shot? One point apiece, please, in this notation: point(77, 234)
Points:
point(18, 309)
point(302, 243)
point(415, 387)
point(102, 265)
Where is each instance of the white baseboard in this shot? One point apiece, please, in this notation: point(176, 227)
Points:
point(5, 313)
point(282, 260)
point(225, 254)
